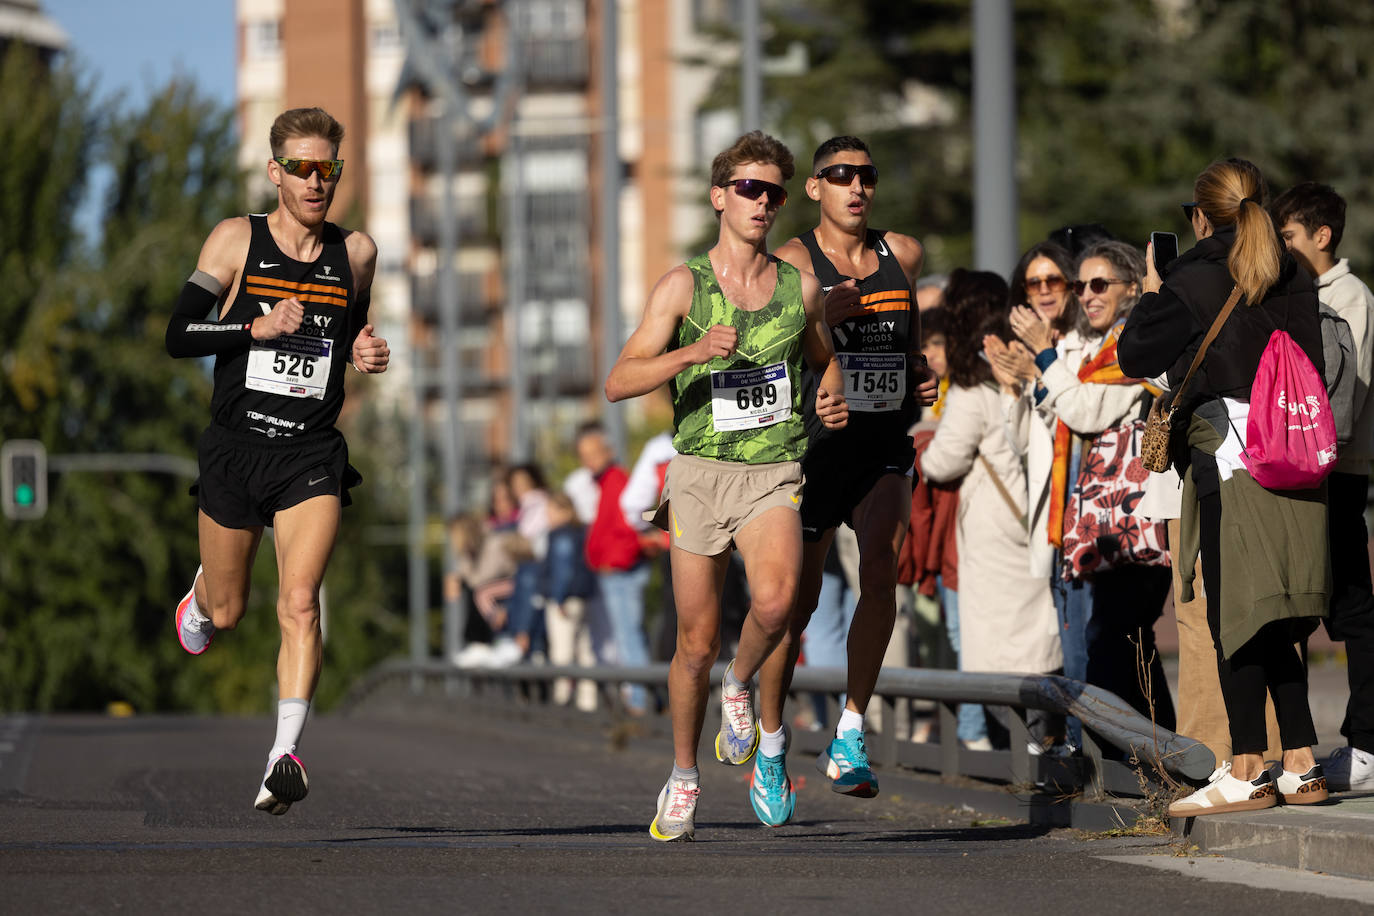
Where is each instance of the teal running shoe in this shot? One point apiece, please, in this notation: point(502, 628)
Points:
point(845, 764)
point(771, 794)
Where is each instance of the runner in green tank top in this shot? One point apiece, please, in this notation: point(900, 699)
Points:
point(728, 331)
point(770, 336)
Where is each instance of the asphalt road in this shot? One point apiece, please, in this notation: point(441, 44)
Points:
point(458, 809)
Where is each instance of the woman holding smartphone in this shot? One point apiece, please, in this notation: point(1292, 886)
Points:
point(1263, 551)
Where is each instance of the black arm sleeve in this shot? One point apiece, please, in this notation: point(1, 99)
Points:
point(1157, 332)
point(189, 333)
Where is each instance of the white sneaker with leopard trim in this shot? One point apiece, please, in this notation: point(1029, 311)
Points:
point(1300, 788)
point(1225, 793)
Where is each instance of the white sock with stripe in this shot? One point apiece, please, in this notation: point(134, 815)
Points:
point(849, 719)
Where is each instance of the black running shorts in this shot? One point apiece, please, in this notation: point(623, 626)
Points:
point(245, 479)
point(840, 472)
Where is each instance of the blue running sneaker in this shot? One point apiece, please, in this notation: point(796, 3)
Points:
point(771, 794)
point(845, 764)
point(739, 734)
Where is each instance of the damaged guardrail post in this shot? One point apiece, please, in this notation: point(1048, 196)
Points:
point(1107, 716)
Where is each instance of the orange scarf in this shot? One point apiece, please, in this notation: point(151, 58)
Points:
point(1101, 369)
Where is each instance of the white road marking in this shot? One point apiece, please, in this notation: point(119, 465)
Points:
point(1253, 874)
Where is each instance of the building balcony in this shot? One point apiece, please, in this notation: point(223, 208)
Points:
point(560, 371)
point(555, 63)
point(425, 134)
point(474, 303)
point(472, 220)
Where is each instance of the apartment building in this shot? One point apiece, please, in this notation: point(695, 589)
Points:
point(527, 186)
point(24, 22)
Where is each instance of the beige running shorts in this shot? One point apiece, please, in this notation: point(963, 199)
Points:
point(706, 502)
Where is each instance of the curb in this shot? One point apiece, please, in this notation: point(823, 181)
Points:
point(1336, 838)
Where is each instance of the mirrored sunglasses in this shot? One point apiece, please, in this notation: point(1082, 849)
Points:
point(329, 169)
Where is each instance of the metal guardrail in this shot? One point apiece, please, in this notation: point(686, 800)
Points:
point(1107, 720)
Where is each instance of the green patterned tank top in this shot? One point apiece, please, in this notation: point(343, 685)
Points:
point(746, 408)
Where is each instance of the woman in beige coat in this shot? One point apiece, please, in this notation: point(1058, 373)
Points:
point(1006, 614)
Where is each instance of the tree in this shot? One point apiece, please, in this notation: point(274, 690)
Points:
point(88, 590)
point(1120, 105)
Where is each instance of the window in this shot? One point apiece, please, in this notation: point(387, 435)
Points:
point(552, 18)
point(383, 37)
point(262, 38)
point(715, 13)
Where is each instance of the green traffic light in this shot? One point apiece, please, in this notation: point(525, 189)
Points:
point(23, 495)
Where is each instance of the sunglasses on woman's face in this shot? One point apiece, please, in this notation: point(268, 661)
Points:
point(1054, 283)
point(1188, 209)
point(753, 188)
point(842, 174)
point(1096, 284)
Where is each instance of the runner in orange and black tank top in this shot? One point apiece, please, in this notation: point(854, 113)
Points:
point(293, 384)
point(873, 347)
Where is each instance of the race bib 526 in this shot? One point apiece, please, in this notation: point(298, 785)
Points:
point(292, 365)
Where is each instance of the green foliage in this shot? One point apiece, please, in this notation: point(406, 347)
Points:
point(860, 60)
point(1120, 105)
point(87, 592)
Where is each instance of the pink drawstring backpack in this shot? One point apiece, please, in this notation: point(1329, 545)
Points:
point(1290, 438)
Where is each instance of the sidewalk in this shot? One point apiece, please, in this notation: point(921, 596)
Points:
point(1335, 838)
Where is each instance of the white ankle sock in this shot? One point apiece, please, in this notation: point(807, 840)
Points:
point(770, 743)
point(290, 723)
point(194, 608)
point(849, 719)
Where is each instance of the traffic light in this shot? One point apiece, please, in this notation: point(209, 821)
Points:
point(24, 468)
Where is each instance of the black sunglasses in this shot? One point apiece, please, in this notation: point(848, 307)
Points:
point(752, 188)
point(842, 173)
point(1096, 284)
point(1188, 209)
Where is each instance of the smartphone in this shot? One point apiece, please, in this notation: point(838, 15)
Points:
point(1165, 248)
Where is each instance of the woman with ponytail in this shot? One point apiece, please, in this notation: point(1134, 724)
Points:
point(1264, 566)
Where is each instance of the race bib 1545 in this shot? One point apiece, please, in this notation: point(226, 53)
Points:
point(874, 381)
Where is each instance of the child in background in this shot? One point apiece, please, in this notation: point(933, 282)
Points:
point(567, 585)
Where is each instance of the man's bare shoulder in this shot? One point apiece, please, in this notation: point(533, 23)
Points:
point(360, 245)
point(810, 283)
point(232, 235)
point(795, 253)
point(907, 248)
point(673, 291)
point(226, 248)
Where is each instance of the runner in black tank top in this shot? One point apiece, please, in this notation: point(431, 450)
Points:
point(296, 311)
point(884, 328)
point(860, 474)
point(292, 384)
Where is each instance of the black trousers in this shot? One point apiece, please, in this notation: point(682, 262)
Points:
point(1127, 602)
point(1268, 661)
point(1352, 601)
